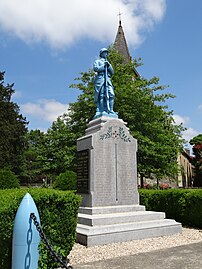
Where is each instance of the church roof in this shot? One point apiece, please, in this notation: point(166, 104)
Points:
point(120, 43)
point(121, 46)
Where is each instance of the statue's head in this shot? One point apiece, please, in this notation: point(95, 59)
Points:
point(103, 51)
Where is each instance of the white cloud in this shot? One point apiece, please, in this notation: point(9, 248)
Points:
point(189, 134)
point(60, 23)
point(180, 119)
point(200, 107)
point(45, 109)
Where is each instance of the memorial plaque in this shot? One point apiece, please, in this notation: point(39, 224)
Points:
point(83, 171)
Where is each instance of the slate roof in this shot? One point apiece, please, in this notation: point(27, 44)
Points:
point(120, 44)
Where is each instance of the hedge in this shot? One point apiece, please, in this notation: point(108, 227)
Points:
point(8, 180)
point(66, 181)
point(183, 205)
point(58, 212)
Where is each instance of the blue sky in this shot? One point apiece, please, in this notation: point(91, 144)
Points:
point(45, 44)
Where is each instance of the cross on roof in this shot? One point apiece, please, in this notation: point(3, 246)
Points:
point(119, 14)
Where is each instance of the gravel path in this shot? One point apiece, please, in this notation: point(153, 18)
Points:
point(81, 254)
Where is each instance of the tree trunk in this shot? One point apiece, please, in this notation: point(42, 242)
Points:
point(141, 181)
point(157, 183)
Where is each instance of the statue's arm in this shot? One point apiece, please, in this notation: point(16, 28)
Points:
point(110, 69)
point(98, 66)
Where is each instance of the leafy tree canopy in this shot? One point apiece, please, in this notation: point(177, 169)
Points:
point(51, 153)
point(197, 140)
point(197, 161)
point(13, 127)
point(33, 164)
point(61, 146)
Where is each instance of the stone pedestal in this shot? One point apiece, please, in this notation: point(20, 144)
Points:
point(112, 175)
point(107, 181)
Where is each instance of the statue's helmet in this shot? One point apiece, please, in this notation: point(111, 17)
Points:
point(103, 50)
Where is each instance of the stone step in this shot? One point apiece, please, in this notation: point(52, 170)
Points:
point(110, 209)
point(117, 218)
point(100, 235)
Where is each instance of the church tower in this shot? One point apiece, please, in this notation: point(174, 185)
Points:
point(120, 44)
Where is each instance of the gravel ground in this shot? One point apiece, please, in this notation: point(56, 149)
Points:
point(81, 254)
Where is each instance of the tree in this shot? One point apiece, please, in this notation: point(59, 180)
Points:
point(13, 127)
point(65, 181)
point(56, 151)
point(197, 161)
point(139, 103)
point(49, 154)
point(8, 180)
point(60, 146)
point(33, 166)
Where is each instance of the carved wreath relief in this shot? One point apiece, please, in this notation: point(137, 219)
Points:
point(115, 133)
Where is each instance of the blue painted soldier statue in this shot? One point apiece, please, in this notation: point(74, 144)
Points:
point(104, 91)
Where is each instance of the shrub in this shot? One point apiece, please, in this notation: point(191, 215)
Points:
point(65, 181)
point(182, 205)
point(58, 213)
point(8, 180)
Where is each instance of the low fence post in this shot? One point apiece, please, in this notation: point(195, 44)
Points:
point(25, 254)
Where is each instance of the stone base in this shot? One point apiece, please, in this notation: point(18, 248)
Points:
point(112, 224)
point(107, 181)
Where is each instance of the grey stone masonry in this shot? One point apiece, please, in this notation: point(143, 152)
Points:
point(112, 163)
point(111, 224)
point(107, 181)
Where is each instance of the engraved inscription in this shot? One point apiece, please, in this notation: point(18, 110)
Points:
point(83, 171)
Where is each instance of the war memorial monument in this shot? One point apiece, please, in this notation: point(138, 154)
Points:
point(107, 175)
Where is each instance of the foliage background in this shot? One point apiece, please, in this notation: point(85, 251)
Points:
point(184, 206)
point(13, 127)
point(8, 180)
point(197, 160)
